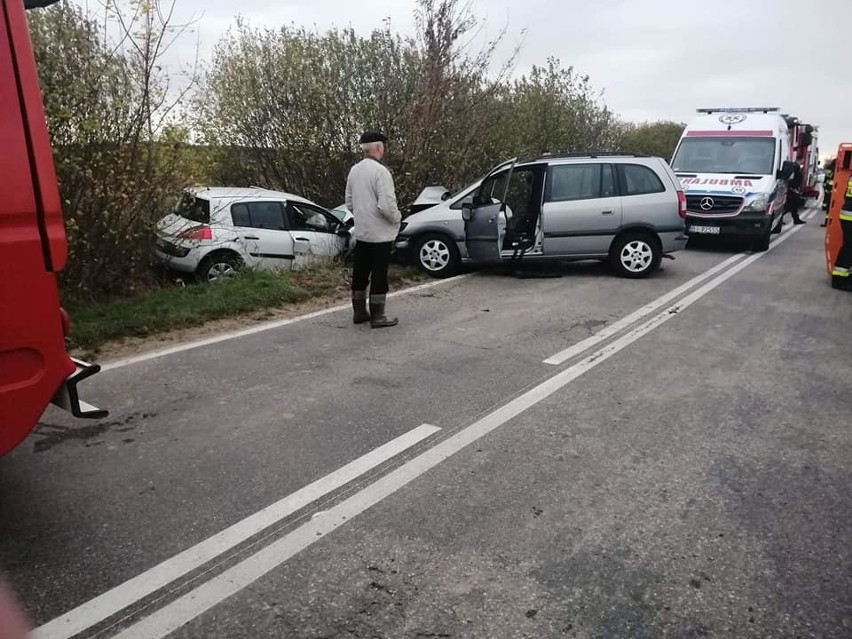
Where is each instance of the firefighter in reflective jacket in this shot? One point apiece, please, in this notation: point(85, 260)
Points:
point(828, 185)
point(843, 265)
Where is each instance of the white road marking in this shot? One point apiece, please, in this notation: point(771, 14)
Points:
point(608, 331)
point(189, 606)
point(124, 595)
point(185, 346)
point(581, 347)
point(265, 326)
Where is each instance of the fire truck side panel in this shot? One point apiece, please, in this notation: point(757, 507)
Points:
point(33, 360)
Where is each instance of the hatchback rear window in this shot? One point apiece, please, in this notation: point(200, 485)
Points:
point(193, 208)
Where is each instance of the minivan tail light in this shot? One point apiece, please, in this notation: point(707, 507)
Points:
point(681, 204)
point(197, 233)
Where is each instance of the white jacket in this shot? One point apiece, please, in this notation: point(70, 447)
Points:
point(371, 198)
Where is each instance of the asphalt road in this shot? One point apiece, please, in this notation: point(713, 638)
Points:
point(686, 473)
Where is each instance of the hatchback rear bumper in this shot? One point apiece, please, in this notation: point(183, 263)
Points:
point(186, 264)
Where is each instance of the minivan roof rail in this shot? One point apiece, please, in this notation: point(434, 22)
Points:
point(591, 154)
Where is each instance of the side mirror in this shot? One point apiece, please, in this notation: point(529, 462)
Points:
point(344, 229)
point(467, 208)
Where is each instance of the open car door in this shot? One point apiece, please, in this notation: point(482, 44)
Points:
point(485, 216)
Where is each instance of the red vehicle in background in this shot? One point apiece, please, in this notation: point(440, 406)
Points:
point(35, 368)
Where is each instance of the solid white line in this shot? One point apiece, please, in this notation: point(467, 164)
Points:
point(259, 328)
point(122, 596)
point(203, 598)
point(581, 347)
point(624, 322)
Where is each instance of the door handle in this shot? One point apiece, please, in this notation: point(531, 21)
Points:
point(250, 237)
point(302, 239)
point(607, 212)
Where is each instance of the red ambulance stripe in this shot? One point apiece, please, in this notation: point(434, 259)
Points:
point(724, 134)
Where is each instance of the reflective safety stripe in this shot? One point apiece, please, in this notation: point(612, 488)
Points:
point(849, 188)
point(846, 216)
point(839, 271)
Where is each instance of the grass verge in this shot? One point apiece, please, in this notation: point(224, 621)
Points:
point(166, 309)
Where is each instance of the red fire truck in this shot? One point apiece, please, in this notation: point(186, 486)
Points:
point(35, 368)
point(805, 151)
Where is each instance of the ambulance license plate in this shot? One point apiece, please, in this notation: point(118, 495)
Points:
point(707, 230)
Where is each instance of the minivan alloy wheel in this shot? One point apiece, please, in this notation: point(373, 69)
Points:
point(637, 255)
point(434, 254)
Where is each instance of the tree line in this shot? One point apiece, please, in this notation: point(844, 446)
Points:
point(282, 108)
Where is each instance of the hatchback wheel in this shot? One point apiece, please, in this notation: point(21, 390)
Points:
point(438, 256)
point(219, 267)
point(636, 255)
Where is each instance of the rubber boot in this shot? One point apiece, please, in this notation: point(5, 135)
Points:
point(359, 307)
point(378, 319)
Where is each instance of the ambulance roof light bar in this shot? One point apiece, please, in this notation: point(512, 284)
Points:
point(740, 110)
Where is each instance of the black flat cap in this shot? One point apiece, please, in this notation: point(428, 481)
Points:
point(372, 136)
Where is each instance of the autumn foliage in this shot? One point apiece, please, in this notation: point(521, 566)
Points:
point(282, 108)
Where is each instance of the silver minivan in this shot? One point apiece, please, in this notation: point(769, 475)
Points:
point(626, 209)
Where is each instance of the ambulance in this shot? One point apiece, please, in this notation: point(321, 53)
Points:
point(734, 164)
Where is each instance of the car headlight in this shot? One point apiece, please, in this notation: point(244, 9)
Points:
point(759, 203)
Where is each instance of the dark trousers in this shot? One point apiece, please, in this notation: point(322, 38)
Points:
point(794, 202)
point(370, 266)
point(844, 257)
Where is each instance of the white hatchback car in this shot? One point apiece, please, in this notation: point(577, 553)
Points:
point(214, 231)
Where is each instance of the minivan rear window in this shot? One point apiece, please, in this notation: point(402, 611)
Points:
point(193, 208)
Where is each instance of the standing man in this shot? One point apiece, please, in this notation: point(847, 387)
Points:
point(827, 186)
point(794, 194)
point(371, 198)
point(792, 174)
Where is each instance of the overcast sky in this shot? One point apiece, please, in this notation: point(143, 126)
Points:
point(654, 59)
